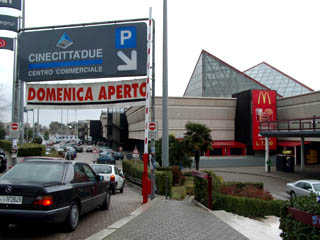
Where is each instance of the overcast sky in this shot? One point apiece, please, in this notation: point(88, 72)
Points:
point(243, 33)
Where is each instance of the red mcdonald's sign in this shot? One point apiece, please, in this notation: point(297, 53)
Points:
point(264, 108)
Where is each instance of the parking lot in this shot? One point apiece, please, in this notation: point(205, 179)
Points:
point(122, 204)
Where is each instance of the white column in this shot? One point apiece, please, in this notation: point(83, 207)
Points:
point(267, 154)
point(302, 154)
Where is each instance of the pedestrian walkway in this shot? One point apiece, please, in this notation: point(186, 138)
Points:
point(175, 220)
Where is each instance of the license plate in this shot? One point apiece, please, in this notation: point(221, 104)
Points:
point(11, 199)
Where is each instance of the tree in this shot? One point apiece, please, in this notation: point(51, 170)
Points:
point(197, 139)
point(46, 135)
point(2, 131)
point(177, 154)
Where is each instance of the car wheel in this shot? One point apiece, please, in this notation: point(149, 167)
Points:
point(121, 190)
point(293, 195)
point(106, 203)
point(114, 190)
point(73, 217)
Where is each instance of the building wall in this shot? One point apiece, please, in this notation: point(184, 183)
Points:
point(297, 107)
point(217, 113)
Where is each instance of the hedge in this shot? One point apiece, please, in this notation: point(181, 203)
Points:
point(134, 168)
point(31, 149)
point(6, 145)
point(292, 229)
point(248, 207)
point(242, 185)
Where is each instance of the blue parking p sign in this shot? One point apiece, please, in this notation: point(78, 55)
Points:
point(126, 37)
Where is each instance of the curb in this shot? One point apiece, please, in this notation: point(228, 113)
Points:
point(115, 226)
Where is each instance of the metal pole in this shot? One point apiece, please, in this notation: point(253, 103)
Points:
point(153, 117)
point(165, 137)
point(267, 154)
point(33, 124)
point(27, 126)
point(302, 154)
point(15, 96)
point(61, 121)
point(38, 126)
point(21, 103)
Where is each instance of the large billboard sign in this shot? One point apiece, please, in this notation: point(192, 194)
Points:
point(11, 4)
point(104, 51)
point(264, 108)
point(8, 23)
point(6, 43)
point(86, 95)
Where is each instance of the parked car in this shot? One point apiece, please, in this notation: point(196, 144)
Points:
point(303, 188)
point(79, 148)
point(118, 155)
point(3, 162)
point(112, 174)
point(89, 149)
point(59, 195)
point(106, 158)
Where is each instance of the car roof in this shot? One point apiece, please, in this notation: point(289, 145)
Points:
point(310, 181)
point(50, 160)
point(98, 164)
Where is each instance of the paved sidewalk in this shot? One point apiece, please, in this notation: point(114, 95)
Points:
point(175, 220)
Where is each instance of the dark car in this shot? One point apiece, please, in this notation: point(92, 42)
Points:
point(51, 191)
point(118, 155)
point(106, 158)
point(79, 148)
point(3, 161)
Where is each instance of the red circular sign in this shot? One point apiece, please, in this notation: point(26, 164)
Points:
point(14, 126)
point(3, 43)
point(152, 126)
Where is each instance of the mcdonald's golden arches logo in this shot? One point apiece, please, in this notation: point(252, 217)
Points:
point(265, 96)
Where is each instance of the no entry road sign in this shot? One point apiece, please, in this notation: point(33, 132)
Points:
point(14, 126)
point(153, 130)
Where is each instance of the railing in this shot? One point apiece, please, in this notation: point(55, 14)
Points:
point(304, 124)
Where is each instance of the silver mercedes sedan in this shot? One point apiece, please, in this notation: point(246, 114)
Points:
point(303, 188)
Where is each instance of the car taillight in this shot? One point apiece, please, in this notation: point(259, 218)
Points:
point(43, 201)
point(112, 178)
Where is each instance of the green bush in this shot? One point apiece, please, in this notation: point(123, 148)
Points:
point(292, 229)
point(31, 150)
point(6, 145)
point(248, 207)
point(161, 182)
point(134, 168)
point(242, 185)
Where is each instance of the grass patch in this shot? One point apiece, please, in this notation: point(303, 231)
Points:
point(179, 192)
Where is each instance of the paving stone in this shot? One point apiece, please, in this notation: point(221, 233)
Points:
point(175, 220)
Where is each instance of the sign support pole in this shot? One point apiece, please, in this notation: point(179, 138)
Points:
point(165, 136)
point(21, 103)
point(145, 179)
point(153, 117)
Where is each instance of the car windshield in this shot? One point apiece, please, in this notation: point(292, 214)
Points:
point(102, 169)
point(317, 187)
point(36, 172)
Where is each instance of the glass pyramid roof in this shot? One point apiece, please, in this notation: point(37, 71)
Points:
point(271, 77)
point(214, 78)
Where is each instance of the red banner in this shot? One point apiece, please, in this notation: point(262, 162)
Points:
point(264, 108)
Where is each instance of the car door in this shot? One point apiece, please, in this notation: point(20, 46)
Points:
point(97, 188)
point(119, 178)
point(82, 187)
point(300, 189)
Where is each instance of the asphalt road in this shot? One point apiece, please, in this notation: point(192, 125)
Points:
point(122, 204)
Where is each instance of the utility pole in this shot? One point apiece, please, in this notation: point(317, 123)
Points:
point(165, 137)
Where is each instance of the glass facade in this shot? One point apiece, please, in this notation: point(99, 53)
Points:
point(214, 78)
point(276, 80)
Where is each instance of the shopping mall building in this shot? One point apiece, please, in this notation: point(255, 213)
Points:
point(233, 103)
